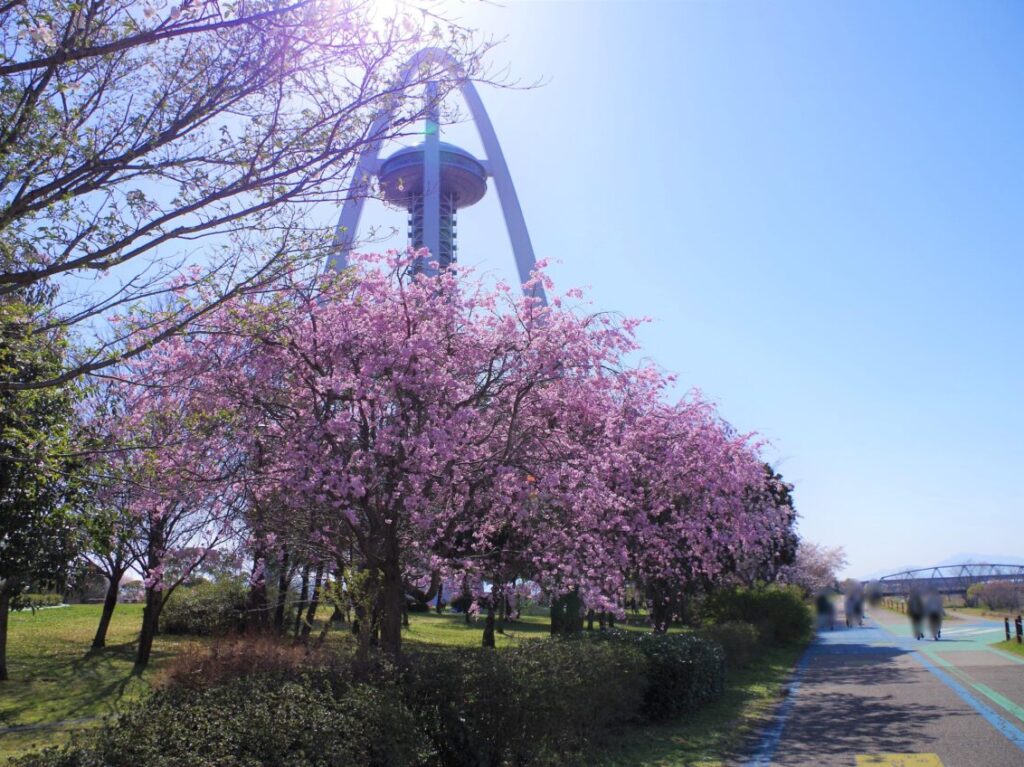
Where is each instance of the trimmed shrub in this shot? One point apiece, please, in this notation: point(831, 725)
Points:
point(532, 704)
point(684, 671)
point(255, 703)
point(205, 609)
point(571, 691)
point(252, 722)
point(740, 641)
point(779, 612)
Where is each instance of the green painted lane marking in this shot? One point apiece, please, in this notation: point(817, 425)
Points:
point(975, 644)
point(988, 692)
point(1004, 654)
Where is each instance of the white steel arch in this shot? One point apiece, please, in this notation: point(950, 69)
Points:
point(497, 169)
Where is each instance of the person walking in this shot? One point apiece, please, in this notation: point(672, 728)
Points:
point(915, 611)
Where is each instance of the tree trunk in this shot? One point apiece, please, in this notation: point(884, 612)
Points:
point(358, 618)
point(557, 616)
point(440, 594)
point(488, 640)
point(150, 622)
point(282, 592)
point(257, 605)
point(661, 614)
point(300, 605)
point(109, 603)
point(313, 604)
point(391, 607)
point(566, 614)
point(590, 620)
point(5, 608)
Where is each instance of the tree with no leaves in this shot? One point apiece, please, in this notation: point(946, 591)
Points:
point(136, 138)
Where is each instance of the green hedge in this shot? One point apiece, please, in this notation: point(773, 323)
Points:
point(684, 671)
point(535, 704)
point(254, 721)
point(206, 609)
point(741, 641)
point(779, 612)
point(532, 704)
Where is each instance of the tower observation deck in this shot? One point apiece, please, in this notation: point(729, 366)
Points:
point(461, 182)
point(434, 180)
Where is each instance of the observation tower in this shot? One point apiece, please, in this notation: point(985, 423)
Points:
point(460, 180)
point(434, 180)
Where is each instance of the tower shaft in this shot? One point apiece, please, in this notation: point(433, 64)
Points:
point(444, 252)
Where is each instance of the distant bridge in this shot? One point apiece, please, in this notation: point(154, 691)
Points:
point(948, 579)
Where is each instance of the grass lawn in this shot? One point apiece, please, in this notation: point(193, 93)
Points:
point(57, 685)
point(978, 612)
point(55, 678)
point(1011, 646)
point(452, 629)
point(713, 736)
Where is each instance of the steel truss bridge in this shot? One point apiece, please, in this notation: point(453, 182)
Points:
point(948, 579)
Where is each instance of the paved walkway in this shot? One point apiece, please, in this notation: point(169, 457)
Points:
point(876, 696)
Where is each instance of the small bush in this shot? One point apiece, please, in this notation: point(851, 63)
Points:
point(573, 690)
point(779, 612)
point(227, 660)
point(247, 703)
point(532, 704)
point(32, 601)
point(205, 609)
point(684, 671)
point(739, 640)
point(254, 722)
point(463, 699)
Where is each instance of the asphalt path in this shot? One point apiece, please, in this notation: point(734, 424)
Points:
point(874, 695)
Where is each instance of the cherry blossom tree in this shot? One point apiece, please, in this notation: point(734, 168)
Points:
point(412, 428)
point(816, 567)
point(172, 479)
point(687, 475)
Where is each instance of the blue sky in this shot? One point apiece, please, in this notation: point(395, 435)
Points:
point(820, 205)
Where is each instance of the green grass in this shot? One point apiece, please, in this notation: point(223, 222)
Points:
point(54, 677)
point(1011, 646)
point(452, 629)
point(979, 612)
point(57, 685)
point(714, 735)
